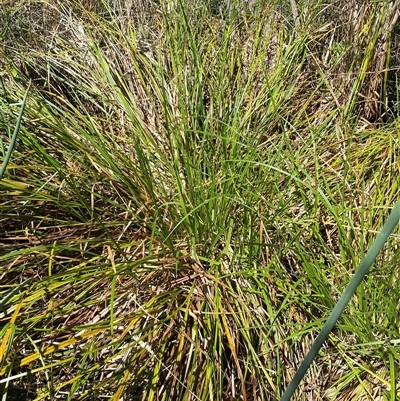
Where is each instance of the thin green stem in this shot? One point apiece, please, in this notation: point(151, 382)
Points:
point(14, 136)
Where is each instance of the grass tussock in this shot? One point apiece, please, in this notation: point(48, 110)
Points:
point(190, 190)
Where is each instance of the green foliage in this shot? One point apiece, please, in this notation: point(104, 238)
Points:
point(188, 195)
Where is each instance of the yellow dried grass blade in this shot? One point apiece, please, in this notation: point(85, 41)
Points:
point(9, 332)
point(53, 348)
point(121, 387)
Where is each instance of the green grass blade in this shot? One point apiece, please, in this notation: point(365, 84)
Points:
point(14, 136)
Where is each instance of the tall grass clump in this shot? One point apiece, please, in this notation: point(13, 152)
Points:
point(191, 188)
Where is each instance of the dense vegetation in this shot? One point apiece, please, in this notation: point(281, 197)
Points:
point(192, 185)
